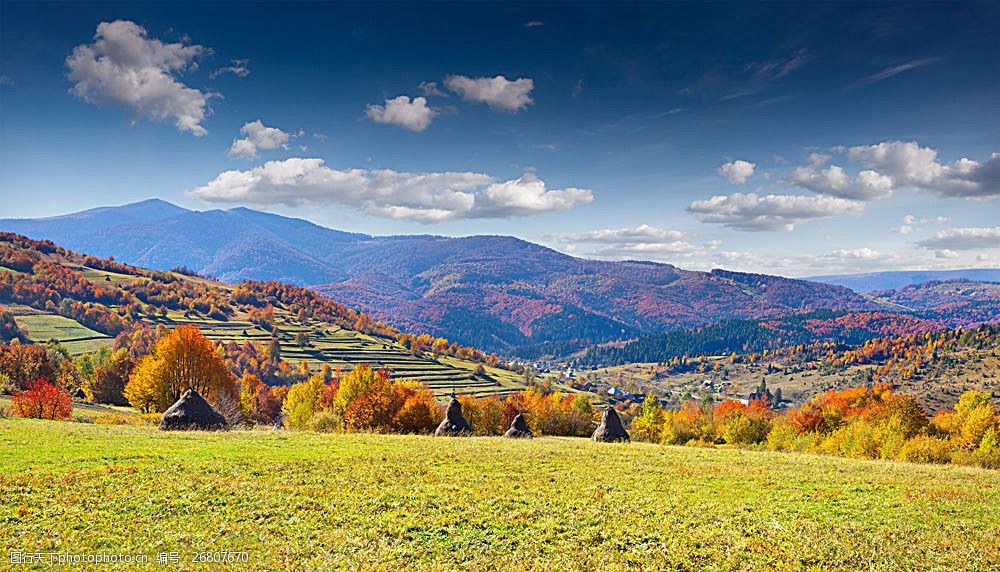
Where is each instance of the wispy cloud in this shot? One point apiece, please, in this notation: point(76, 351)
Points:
point(239, 68)
point(891, 71)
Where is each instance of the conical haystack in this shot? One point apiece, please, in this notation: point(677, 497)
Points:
point(192, 413)
point(518, 429)
point(454, 423)
point(610, 430)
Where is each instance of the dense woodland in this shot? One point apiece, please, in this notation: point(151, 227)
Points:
point(835, 330)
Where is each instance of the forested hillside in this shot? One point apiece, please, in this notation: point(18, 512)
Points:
point(275, 331)
point(497, 293)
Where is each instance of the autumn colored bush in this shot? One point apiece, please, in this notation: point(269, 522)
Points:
point(739, 424)
point(647, 425)
point(926, 449)
point(484, 414)
point(419, 412)
point(693, 422)
point(42, 400)
point(558, 413)
point(302, 402)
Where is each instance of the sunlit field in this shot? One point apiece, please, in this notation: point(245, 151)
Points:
point(390, 502)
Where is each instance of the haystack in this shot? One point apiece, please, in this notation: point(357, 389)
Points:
point(192, 413)
point(454, 423)
point(518, 429)
point(610, 430)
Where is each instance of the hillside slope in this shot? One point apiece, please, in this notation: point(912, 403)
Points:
point(494, 292)
point(83, 302)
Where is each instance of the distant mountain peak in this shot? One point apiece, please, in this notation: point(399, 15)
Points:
point(493, 291)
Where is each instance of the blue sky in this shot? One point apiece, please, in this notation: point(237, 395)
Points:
point(795, 139)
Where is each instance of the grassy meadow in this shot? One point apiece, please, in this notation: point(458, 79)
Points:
point(393, 502)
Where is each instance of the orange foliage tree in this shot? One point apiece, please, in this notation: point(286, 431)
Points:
point(181, 360)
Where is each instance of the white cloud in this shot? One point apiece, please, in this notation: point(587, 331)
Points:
point(643, 242)
point(497, 92)
point(5, 80)
point(752, 212)
point(911, 223)
point(643, 233)
point(125, 67)
point(907, 163)
point(892, 71)
point(833, 181)
point(257, 136)
point(534, 24)
point(737, 171)
point(239, 68)
point(402, 112)
point(424, 197)
point(969, 238)
point(527, 195)
point(430, 89)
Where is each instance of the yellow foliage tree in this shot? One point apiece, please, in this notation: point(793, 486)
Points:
point(302, 402)
point(181, 360)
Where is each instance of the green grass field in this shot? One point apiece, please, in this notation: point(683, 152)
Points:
point(75, 337)
point(384, 502)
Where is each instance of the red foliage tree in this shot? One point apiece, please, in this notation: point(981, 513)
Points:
point(42, 400)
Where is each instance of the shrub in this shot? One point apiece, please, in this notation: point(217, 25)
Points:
point(6, 385)
point(745, 429)
point(419, 413)
point(988, 453)
point(42, 400)
point(325, 422)
point(484, 414)
point(925, 449)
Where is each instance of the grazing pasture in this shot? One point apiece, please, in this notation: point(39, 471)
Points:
point(394, 502)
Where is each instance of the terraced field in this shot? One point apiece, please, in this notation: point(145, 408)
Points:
point(325, 343)
point(345, 349)
point(42, 327)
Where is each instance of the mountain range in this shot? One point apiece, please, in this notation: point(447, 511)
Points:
point(494, 292)
point(894, 279)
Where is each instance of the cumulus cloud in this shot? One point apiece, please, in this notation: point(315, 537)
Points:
point(123, 66)
point(737, 171)
point(969, 238)
point(239, 68)
point(403, 112)
point(257, 136)
point(753, 212)
point(907, 163)
point(498, 92)
point(534, 24)
point(527, 195)
point(423, 197)
point(833, 181)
